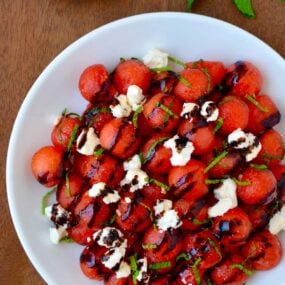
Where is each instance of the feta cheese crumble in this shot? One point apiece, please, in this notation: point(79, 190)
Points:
point(227, 198)
point(137, 178)
point(135, 97)
point(133, 163)
point(123, 109)
point(108, 237)
point(166, 217)
point(142, 268)
point(181, 150)
point(209, 111)
point(124, 270)
point(248, 143)
point(155, 58)
point(87, 141)
point(56, 234)
point(188, 110)
point(114, 255)
point(108, 194)
point(277, 222)
point(62, 221)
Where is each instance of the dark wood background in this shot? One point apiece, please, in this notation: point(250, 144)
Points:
point(33, 32)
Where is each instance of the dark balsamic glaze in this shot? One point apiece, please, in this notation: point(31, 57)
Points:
point(44, 177)
point(271, 121)
point(233, 77)
point(180, 143)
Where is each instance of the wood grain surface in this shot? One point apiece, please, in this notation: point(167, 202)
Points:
point(33, 32)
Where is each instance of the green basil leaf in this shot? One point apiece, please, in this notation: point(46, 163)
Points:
point(245, 7)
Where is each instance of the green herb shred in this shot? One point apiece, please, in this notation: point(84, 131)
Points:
point(158, 183)
point(213, 244)
point(206, 72)
point(216, 160)
point(219, 124)
point(136, 116)
point(242, 268)
point(241, 182)
point(98, 152)
point(166, 109)
point(149, 246)
point(214, 181)
point(177, 61)
point(45, 199)
point(67, 185)
point(196, 270)
point(134, 268)
point(189, 4)
point(258, 166)
point(161, 69)
point(149, 210)
point(72, 137)
point(184, 81)
point(256, 103)
point(67, 240)
point(160, 265)
point(183, 255)
point(151, 150)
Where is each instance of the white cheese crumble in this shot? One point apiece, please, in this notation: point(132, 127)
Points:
point(135, 97)
point(102, 190)
point(123, 271)
point(114, 255)
point(181, 150)
point(162, 206)
point(227, 198)
point(137, 178)
point(209, 111)
point(142, 267)
point(90, 143)
point(166, 217)
point(56, 234)
point(57, 214)
point(108, 237)
point(123, 109)
point(128, 200)
point(133, 163)
point(187, 110)
point(155, 58)
point(277, 222)
point(247, 142)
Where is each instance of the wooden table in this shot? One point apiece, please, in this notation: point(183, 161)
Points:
point(33, 32)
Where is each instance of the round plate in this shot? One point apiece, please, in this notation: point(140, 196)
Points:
point(185, 36)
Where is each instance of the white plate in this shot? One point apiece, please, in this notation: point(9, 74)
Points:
point(185, 36)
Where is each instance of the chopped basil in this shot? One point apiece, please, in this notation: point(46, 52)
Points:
point(122, 59)
point(64, 112)
point(189, 4)
point(161, 69)
point(214, 181)
point(134, 268)
point(219, 124)
point(213, 244)
point(245, 7)
point(160, 265)
point(136, 116)
point(258, 166)
point(184, 81)
point(158, 183)
point(256, 103)
point(177, 61)
point(45, 199)
point(67, 185)
point(183, 255)
point(67, 240)
point(151, 150)
point(166, 109)
point(149, 210)
point(196, 271)
point(72, 137)
point(241, 183)
point(113, 219)
point(242, 268)
point(74, 114)
point(206, 72)
point(98, 151)
point(149, 246)
point(198, 222)
point(216, 160)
